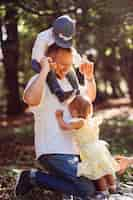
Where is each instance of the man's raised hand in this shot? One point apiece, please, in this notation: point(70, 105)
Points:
point(44, 62)
point(87, 69)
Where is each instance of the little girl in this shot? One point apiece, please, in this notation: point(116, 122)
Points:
point(96, 161)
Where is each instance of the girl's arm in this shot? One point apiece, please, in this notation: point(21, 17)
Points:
point(67, 126)
point(124, 163)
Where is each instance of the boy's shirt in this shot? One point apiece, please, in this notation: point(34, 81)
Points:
point(42, 42)
point(46, 39)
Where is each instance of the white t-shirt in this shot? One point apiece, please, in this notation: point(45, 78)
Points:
point(46, 39)
point(43, 41)
point(49, 138)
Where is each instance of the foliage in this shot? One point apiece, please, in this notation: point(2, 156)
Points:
point(104, 29)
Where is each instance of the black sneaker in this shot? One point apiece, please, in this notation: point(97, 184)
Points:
point(23, 184)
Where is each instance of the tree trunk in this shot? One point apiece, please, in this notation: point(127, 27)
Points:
point(130, 82)
point(127, 69)
point(10, 48)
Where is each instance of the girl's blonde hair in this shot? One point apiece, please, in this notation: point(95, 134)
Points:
point(82, 105)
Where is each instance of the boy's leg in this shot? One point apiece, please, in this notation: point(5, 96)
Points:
point(35, 66)
point(56, 89)
point(51, 79)
point(53, 83)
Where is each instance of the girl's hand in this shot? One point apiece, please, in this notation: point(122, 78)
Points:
point(124, 163)
point(59, 113)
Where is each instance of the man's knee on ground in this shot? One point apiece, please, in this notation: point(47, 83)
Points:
point(87, 186)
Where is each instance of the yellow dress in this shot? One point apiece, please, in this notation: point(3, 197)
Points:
point(96, 160)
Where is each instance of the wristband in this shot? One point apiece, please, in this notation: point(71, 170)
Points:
point(90, 79)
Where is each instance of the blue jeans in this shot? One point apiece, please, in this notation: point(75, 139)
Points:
point(61, 176)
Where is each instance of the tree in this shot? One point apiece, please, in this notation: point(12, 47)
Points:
point(10, 48)
point(101, 24)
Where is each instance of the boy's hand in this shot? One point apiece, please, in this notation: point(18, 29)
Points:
point(87, 69)
point(59, 113)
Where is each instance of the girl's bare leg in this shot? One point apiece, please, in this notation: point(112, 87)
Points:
point(110, 180)
point(101, 184)
point(102, 188)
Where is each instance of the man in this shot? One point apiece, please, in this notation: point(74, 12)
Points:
point(55, 148)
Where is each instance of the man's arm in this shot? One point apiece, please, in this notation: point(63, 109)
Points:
point(90, 85)
point(32, 95)
point(67, 126)
point(87, 69)
point(85, 74)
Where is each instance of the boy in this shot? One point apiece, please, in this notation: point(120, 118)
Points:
point(60, 34)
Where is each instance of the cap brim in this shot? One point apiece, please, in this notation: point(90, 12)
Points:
point(61, 43)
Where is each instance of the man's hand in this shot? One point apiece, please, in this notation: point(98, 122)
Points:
point(44, 62)
point(48, 62)
point(124, 163)
point(59, 113)
point(87, 69)
point(53, 65)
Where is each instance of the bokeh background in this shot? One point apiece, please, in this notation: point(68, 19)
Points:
point(104, 34)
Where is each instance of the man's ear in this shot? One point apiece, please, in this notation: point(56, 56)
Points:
point(53, 56)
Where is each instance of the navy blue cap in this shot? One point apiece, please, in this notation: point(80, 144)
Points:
point(64, 29)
